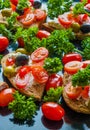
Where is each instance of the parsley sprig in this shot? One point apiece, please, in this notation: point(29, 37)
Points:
point(22, 107)
point(53, 95)
point(82, 77)
point(57, 7)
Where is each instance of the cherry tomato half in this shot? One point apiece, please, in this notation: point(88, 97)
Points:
point(63, 20)
point(52, 111)
point(85, 92)
point(39, 54)
point(23, 71)
point(71, 57)
point(40, 14)
point(40, 74)
point(6, 96)
point(73, 92)
point(54, 81)
point(22, 82)
point(4, 42)
point(27, 19)
point(72, 67)
point(43, 34)
point(85, 63)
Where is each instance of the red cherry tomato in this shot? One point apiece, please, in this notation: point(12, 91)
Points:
point(72, 67)
point(86, 92)
point(23, 71)
point(27, 19)
point(39, 54)
point(4, 42)
point(43, 34)
point(63, 20)
point(52, 111)
point(40, 74)
point(20, 42)
point(40, 14)
point(6, 96)
point(73, 92)
point(15, 2)
point(10, 61)
point(22, 82)
point(85, 63)
point(54, 81)
point(71, 57)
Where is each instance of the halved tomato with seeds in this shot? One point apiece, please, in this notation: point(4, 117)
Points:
point(40, 74)
point(39, 54)
point(72, 67)
point(73, 92)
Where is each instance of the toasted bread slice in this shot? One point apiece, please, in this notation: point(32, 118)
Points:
point(32, 89)
point(51, 26)
point(78, 105)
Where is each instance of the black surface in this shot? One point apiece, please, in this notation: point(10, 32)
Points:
point(71, 120)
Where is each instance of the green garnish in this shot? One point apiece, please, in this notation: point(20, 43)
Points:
point(86, 48)
point(12, 20)
point(82, 77)
point(57, 7)
point(53, 95)
point(22, 107)
point(22, 4)
point(6, 32)
point(53, 65)
point(79, 8)
point(1, 57)
point(4, 4)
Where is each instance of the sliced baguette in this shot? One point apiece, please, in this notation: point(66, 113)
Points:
point(33, 89)
point(78, 105)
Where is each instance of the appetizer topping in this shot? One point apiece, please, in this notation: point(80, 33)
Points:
point(21, 59)
point(39, 54)
point(9, 71)
point(73, 67)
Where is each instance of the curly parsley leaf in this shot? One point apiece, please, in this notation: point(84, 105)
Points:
point(79, 8)
point(82, 77)
point(22, 107)
point(6, 32)
point(53, 95)
point(86, 48)
point(53, 65)
point(22, 4)
point(57, 7)
point(4, 4)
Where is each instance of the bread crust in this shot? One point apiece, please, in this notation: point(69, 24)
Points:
point(78, 105)
point(34, 88)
